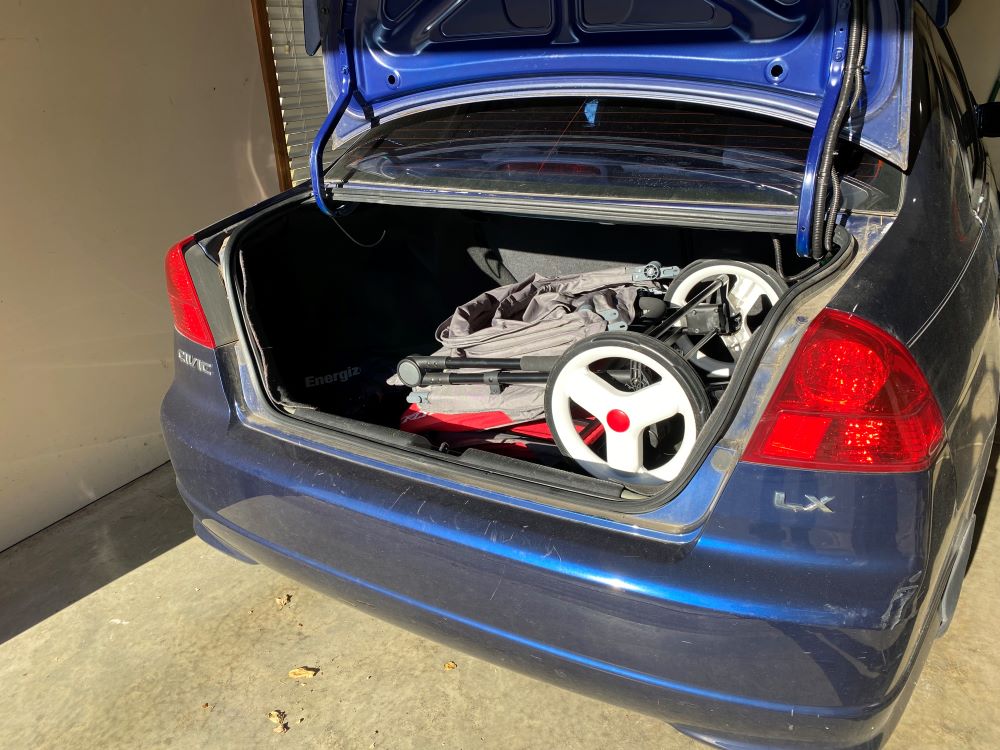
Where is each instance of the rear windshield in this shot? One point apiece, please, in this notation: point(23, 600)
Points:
point(607, 148)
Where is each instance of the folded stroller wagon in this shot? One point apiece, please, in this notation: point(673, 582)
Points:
point(614, 370)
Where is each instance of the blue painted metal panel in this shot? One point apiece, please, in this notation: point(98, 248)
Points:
point(770, 53)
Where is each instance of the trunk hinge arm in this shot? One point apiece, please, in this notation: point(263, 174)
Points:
point(824, 122)
point(344, 95)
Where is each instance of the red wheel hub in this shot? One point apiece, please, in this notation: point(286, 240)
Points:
point(617, 420)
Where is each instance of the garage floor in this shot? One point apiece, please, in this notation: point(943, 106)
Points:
point(119, 629)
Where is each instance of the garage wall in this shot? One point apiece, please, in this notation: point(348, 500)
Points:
point(975, 29)
point(125, 127)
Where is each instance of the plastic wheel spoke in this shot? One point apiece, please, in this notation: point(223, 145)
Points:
point(744, 294)
point(624, 450)
point(653, 404)
point(592, 393)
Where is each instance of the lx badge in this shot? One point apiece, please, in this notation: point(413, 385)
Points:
point(813, 503)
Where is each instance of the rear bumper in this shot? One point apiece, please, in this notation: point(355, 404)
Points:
point(762, 643)
point(727, 719)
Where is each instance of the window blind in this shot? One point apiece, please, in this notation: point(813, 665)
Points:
point(299, 81)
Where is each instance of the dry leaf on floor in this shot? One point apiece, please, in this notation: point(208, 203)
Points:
point(450, 665)
point(281, 601)
point(300, 673)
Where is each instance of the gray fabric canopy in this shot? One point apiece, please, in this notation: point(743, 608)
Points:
point(538, 317)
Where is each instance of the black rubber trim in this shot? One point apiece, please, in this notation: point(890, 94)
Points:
point(364, 429)
point(298, 194)
point(541, 474)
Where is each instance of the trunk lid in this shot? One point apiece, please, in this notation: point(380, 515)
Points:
point(772, 57)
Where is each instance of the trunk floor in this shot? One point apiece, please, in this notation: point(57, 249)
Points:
point(121, 630)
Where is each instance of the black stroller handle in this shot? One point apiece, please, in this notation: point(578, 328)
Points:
point(416, 371)
point(505, 377)
point(500, 377)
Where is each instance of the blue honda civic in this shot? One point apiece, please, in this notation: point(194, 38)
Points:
point(649, 348)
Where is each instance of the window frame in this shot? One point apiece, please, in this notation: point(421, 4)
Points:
point(269, 74)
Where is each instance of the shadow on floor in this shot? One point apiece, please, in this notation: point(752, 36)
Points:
point(94, 546)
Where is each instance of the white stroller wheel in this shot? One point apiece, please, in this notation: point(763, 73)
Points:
point(627, 416)
point(751, 287)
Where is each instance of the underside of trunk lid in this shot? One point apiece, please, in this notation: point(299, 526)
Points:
point(765, 56)
point(842, 67)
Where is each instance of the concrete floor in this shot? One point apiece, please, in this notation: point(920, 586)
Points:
point(119, 629)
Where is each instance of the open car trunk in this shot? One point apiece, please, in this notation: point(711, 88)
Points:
point(330, 306)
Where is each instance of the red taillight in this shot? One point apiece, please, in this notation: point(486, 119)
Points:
point(189, 318)
point(852, 399)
